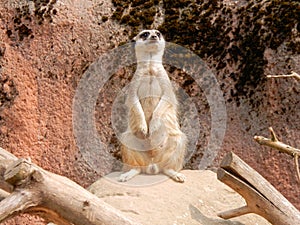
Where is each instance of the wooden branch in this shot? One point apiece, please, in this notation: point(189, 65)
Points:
point(3, 194)
point(292, 74)
point(53, 196)
point(275, 143)
point(296, 158)
point(5, 155)
point(6, 159)
point(234, 212)
point(261, 197)
point(16, 202)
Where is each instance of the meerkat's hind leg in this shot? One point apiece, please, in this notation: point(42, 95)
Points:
point(129, 175)
point(176, 176)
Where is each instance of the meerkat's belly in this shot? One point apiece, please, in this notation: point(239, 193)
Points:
point(149, 94)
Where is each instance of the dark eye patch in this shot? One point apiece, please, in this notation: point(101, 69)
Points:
point(144, 35)
point(158, 34)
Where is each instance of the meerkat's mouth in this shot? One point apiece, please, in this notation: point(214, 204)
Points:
point(153, 41)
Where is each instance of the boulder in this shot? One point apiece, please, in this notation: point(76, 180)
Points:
point(159, 200)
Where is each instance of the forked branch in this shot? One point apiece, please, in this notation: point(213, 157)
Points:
point(261, 197)
point(273, 142)
point(54, 197)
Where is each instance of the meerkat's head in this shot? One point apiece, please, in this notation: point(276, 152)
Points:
point(149, 45)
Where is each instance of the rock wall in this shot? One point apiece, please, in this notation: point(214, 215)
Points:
point(47, 45)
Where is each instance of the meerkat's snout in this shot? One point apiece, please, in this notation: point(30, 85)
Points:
point(155, 37)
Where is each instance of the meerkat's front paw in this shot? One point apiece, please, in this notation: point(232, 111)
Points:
point(128, 175)
point(143, 128)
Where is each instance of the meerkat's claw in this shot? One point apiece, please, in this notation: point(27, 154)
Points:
point(128, 175)
point(178, 177)
point(143, 128)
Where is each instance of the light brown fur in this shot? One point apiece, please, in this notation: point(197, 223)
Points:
point(153, 118)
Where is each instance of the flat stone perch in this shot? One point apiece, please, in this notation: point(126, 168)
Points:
point(159, 200)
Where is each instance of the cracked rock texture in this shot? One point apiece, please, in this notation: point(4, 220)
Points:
point(47, 45)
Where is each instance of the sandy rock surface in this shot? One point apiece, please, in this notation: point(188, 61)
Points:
point(159, 200)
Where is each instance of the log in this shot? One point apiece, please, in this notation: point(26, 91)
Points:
point(54, 197)
point(261, 197)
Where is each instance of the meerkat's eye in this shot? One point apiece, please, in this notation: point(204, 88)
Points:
point(145, 35)
point(158, 34)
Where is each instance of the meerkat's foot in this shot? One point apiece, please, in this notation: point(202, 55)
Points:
point(129, 175)
point(176, 176)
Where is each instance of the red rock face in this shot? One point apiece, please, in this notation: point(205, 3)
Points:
point(46, 46)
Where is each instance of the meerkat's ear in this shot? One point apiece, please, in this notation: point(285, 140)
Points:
point(133, 39)
point(133, 42)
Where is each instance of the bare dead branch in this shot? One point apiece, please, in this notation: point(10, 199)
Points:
point(274, 137)
point(296, 158)
point(261, 197)
point(292, 74)
point(284, 148)
point(16, 202)
point(276, 144)
point(52, 196)
point(235, 212)
point(3, 194)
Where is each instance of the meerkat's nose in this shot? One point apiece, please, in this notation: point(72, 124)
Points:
point(153, 37)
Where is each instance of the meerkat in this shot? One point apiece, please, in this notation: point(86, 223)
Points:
point(153, 142)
